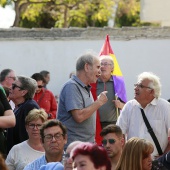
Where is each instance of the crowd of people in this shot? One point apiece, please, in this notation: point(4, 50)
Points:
point(37, 133)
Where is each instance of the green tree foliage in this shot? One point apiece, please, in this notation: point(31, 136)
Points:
point(3, 3)
point(128, 14)
point(62, 13)
point(75, 13)
point(69, 13)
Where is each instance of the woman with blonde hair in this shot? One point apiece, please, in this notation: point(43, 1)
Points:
point(23, 153)
point(136, 155)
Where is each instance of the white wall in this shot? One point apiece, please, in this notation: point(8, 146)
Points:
point(58, 57)
point(155, 11)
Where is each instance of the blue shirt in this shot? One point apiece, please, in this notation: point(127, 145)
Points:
point(35, 165)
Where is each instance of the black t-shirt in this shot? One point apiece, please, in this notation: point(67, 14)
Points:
point(4, 104)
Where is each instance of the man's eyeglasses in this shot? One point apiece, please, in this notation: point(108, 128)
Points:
point(14, 86)
point(40, 86)
point(49, 137)
point(141, 86)
point(32, 126)
point(111, 141)
point(14, 78)
point(105, 64)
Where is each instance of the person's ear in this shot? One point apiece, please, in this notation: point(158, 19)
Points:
point(152, 92)
point(65, 139)
point(112, 70)
point(122, 141)
point(24, 92)
point(86, 67)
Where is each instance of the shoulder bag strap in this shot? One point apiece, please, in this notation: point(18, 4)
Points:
point(150, 130)
point(41, 97)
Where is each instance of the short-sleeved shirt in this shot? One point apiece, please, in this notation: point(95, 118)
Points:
point(4, 104)
point(158, 114)
point(20, 155)
point(76, 95)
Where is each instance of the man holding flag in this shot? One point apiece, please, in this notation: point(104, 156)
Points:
point(111, 80)
point(109, 112)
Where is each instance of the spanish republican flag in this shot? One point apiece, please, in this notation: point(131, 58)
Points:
point(118, 80)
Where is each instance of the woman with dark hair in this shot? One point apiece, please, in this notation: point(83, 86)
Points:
point(44, 97)
point(88, 156)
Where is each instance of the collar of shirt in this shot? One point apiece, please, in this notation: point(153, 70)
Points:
point(75, 78)
point(111, 80)
point(153, 102)
point(19, 105)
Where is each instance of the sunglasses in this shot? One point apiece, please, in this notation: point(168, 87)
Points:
point(111, 141)
point(40, 86)
point(14, 86)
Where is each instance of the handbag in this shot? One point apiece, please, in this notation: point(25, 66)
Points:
point(150, 130)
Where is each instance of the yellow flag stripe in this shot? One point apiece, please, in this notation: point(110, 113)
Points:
point(117, 71)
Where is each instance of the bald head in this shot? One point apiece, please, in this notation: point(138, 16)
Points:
point(72, 145)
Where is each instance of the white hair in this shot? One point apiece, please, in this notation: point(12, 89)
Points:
point(154, 82)
point(108, 57)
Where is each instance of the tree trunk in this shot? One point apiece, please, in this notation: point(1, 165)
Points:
point(17, 14)
point(65, 18)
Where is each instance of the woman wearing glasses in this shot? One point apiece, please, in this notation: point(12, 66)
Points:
point(22, 154)
point(45, 97)
point(7, 119)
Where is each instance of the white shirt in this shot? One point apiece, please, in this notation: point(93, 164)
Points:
point(20, 155)
point(12, 104)
point(158, 114)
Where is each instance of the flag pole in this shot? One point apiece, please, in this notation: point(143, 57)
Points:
point(117, 109)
